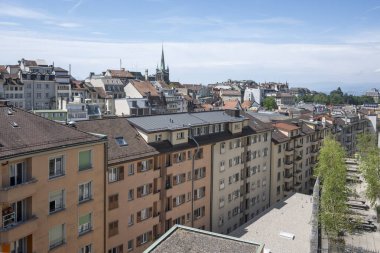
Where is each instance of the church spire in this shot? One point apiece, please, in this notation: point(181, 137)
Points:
point(162, 59)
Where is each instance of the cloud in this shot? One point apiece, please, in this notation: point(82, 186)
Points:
point(9, 10)
point(68, 25)
point(98, 33)
point(8, 23)
point(207, 62)
point(75, 6)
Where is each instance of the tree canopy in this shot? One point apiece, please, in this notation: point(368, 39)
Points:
point(269, 103)
point(335, 97)
point(331, 170)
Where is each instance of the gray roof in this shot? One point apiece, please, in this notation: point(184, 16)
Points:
point(181, 120)
point(292, 215)
point(190, 240)
point(268, 117)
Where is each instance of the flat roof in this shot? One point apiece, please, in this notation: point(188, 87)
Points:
point(181, 120)
point(186, 239)
point(290, 216)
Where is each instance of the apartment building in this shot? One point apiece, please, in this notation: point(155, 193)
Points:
point(39, 81)
point(348, 127)
point(185, 162)
point(241, 173)
point(51, 186)
point(133, 200)
point(295, 147)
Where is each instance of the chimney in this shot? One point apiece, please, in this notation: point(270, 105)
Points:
point(91, 74)
point(123, 69)
point(146, 75)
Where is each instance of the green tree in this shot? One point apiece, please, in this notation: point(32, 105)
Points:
point(370, 165)
point(269, 103)
point(331, 170)
point(321, 98)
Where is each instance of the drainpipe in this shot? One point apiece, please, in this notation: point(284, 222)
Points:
point(192, 176)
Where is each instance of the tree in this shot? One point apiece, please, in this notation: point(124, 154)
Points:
point(269, 103)
point(331, 170)
point(321, 98)
point(370, 165)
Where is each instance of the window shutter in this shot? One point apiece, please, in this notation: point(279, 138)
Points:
point(150, 166)
point(138, 240)
point(139, 216)
point(150, 211)
point(121, 173)
point(139, 192)
point(150, 236)
point(150, 188)
point(139, 166)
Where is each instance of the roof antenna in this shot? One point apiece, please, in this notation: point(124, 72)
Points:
point(120, 63)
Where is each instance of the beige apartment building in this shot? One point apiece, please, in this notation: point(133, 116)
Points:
point(295, 148)
point(241, 173)
point(51, 186)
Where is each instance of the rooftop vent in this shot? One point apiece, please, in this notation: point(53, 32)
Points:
point(10, 111)
point(287, 235)
point(14, 124)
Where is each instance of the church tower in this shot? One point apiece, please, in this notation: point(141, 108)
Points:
point(162, 72)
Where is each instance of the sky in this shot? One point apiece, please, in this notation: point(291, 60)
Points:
point(315, 44)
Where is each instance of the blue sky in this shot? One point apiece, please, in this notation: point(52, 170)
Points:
point(317, 44)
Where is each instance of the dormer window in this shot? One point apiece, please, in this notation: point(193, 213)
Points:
point(180, 135)
point(121, 141)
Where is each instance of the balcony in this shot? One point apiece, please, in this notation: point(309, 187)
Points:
point(297, 186)
point(288, 190)
point(298, 158)
point(288, 178)
point(19, 191)
point(314, 141)
point(288, 164)
point(289, 151)
point(12, 230)
point(314, 150)
point(298, 172)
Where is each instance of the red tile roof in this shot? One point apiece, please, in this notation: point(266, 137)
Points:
point(285, 126)
point(120, 73)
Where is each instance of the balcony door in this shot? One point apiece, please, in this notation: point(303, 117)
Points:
point(17, 174)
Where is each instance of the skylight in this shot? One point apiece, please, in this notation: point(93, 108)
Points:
point(121, 141)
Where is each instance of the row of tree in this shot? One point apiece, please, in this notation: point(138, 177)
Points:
point(335, 97)
point(331, 169)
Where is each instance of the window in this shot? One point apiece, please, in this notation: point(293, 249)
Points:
point(179, 200)
point(222, 147)
point(85, 160)
point(121, 141)
point(144, 190)
point(118, 249)
point(56, 236)
point(221, 184)
point(144, 214)
point(38, 95)
point(279, 162)
point(86, 249)
point(158, 137)
point(144, 165)
point(130, 245)
point(56, 201)
point(47, 85)
point(17, 174)
point(265, 151)
point(180, 135)
point(179, 157)
point(113, 201)
point(279, 148)
point(131, 219)
point(84, 224)
point(115, 174)
point(144, 238)
point(130, 195)
point(265, 136)
point(179, 179)
point(199, 173)
point(278, 176)
point(199, 212)
point(131, 169)
point(85, 191)
point(38, 86)
point(199, 193)
point(46, 95)
point(113, 228)
point(221, 202)
point(222, 166)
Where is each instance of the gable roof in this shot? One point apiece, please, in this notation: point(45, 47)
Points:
point(119, 127)
point(285, 126)
point(144, 87)
point(231, 104)
point(120, 73)
point(35, 134)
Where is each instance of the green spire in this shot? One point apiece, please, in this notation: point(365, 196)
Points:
point(162, 59)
